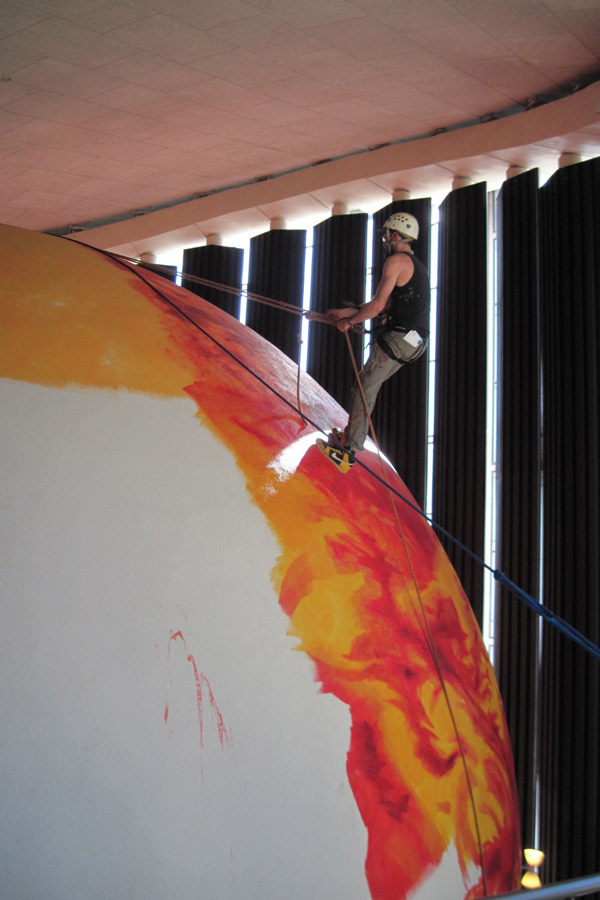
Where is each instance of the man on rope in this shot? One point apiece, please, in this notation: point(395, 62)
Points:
point(402, 299)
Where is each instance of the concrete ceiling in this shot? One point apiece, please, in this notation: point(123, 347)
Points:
point(146, 124)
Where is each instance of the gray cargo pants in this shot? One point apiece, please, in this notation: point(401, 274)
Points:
point(378, 368)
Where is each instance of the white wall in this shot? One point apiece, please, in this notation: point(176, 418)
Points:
point(124, 522)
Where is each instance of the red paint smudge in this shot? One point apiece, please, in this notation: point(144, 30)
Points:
point(202, 688)
point(297, 584)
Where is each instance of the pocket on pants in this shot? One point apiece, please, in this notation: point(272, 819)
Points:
point(402, 349)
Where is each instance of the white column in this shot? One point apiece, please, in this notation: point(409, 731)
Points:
point(460, 181)
point(568, 158)
point(339, 208)
point(512, 171)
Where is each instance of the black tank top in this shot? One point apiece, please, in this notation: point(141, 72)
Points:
point(408, 305)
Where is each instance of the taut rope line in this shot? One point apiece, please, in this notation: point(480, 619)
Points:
point(234, 291)
point(543, 611)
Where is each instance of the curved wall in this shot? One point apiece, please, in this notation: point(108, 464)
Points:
point(227, 670)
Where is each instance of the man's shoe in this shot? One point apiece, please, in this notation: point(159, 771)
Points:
point(342, 457)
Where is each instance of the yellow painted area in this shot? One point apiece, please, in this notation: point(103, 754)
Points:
point(71, 317)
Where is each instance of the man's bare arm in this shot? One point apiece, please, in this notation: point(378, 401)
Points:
point(396, 270)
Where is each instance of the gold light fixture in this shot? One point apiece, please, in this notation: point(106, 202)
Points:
point(534, 859)
point(531, 879)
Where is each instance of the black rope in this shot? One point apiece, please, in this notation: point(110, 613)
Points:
point(541, 610)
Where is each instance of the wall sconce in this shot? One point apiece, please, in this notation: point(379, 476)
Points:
point(534, 859)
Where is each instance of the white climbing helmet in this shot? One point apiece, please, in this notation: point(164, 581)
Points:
point(404, 224)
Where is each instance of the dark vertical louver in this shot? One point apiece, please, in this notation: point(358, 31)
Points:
point(460, 419)
point(569, 746)
point(219, 265)
point(338, 278)
point(400, 415)
point(276, 271)
point(518, 471)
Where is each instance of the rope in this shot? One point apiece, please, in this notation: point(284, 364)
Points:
point(229, 289)
point(427, 630)
point(299, 336)
point(541, 610)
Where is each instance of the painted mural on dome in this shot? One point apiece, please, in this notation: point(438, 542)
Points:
point(369, 596)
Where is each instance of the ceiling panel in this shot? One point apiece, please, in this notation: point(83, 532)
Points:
point(66, 79)
point(49, 107)
point(109, 106)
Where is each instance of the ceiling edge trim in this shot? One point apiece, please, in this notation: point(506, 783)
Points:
point(540, 123)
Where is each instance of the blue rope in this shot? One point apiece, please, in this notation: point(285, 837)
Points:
point(541, 610)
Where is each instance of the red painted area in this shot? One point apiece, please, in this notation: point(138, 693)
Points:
point(202, 687)
point(296, 584)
